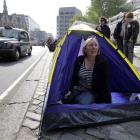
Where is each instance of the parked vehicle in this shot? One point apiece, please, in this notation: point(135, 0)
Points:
point(14, 43)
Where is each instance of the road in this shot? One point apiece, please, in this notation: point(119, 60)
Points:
point(11, 70)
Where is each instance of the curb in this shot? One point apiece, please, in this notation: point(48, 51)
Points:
point(30, 126)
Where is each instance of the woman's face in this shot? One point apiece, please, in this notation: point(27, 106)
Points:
point(102, 21)
point(128, 20)
point(92, 48)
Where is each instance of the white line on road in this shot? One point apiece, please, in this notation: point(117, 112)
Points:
point(6, 92)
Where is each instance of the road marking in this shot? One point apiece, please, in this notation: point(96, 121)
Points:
point(6, 92)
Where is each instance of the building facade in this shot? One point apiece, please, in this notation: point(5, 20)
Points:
point(17, 20)
point(38, 37)
point(24, 22)
point(31, 24)
point(64, 19)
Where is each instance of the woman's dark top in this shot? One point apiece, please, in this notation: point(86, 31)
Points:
point(105, 30)
point(100, 78)
point(132, 31)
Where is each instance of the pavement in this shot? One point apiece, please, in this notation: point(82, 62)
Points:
point(26, 112)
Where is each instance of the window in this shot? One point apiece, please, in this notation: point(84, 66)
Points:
point(9, 33)
point(24, 36)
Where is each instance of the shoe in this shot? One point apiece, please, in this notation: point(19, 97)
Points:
point(137, 98)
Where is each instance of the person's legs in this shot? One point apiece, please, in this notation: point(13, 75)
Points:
point(125, 48)
point(120, 44)
point(85, 98)
point(130, 51)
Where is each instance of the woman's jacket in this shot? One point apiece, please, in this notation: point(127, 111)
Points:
point(100, 78)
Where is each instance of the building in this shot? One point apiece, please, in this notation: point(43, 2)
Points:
point(39, 37)
point(24, 22)
point(17, 20)
point(31, 24)
point(64, 19)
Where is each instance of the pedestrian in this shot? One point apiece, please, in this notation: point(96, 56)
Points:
point(90, 80)
point(51, 43)
point(118, 32)
point(103, 27)
point(44, 44)
point(131, 32)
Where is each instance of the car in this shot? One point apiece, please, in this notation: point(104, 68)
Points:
point(14, 43)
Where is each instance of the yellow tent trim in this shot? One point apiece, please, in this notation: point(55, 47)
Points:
point(133, 68)
point(62, 40)
point(100, 34)
point(110, 42)
point(121, 54)
point(55, 56)
point(124, 57)
point(69, 31)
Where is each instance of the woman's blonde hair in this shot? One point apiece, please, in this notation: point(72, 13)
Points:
point(87, 41)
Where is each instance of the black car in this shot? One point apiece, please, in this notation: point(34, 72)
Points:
point(14, 43)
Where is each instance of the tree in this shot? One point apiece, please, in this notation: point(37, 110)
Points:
point(107, 8)
point(90, 16)
point(79, 17)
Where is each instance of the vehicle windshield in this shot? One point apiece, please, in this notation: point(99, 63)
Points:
point(9, 33)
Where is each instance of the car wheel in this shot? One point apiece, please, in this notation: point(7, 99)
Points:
point(30, 52)
point(16, 55)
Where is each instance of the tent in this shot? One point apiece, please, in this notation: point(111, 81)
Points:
point(124, 79)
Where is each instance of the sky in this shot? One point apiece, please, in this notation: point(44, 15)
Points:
point(44, 12)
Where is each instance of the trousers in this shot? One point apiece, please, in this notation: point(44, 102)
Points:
point(128, 50)
point(83, 97)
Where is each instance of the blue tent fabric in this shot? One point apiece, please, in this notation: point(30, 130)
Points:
point(89, 115)
point(64, 68)
point(122, 78)
point(122, 81)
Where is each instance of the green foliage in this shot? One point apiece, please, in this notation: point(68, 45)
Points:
point(79, 17)
point(107, 8)
point(126, 8)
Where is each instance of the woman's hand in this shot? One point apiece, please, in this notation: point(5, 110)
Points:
point(68, 94)
point(68, 98)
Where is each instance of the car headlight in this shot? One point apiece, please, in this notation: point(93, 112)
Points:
point(8, 45)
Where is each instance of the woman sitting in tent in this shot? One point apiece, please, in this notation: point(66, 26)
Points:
point(90, 80)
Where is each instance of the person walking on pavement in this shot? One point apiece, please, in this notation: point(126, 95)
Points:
point(103, 27)
point(130, 34)
point(118, 32)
